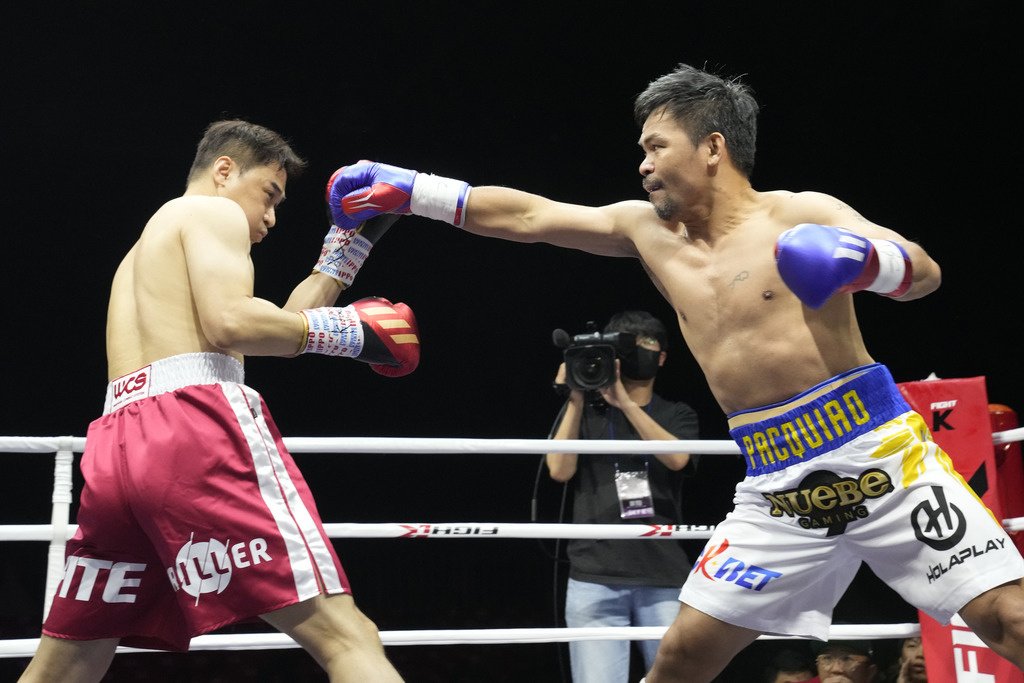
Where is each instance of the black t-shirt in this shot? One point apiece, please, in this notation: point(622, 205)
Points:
point(595, 501)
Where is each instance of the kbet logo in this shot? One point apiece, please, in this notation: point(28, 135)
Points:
point(206, 566)
point(731, 569)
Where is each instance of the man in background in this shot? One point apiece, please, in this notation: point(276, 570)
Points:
point(623, 582)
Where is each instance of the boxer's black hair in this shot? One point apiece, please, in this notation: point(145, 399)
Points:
point(248, 144)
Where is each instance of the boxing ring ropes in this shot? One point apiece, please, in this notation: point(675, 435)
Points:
point(60, 529)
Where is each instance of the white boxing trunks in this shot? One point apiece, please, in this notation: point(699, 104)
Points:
point(193, 515)
point(842, 473)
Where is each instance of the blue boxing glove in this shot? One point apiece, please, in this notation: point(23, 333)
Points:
point(817, 261)
point(367, 189)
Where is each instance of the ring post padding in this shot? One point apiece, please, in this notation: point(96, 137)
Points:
point(60, 517)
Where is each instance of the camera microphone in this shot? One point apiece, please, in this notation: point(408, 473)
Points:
point(560, 338)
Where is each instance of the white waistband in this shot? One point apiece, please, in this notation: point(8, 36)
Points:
point(168, 374)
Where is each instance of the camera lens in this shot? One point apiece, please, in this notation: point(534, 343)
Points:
point(590, 367)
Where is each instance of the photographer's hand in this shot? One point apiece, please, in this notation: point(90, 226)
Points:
point(646, 427)
point(562, 466)
point(575, 395)
point(615, 394)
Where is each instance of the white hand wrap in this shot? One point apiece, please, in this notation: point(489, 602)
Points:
point(343, 254)
point(333, 331)
point(440, 198)
point(894, 269)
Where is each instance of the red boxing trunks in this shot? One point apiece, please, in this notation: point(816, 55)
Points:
point(193, 515)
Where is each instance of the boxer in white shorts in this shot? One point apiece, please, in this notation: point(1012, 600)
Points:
point(761, 282)
point(845, 472)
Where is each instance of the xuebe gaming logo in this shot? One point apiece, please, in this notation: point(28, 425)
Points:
point(824, 500)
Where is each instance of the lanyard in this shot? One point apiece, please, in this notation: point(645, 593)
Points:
point(633, 486)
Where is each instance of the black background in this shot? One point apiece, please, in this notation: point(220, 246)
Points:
point(908, 114)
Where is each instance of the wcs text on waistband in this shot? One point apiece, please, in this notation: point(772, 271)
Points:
point(131, 387)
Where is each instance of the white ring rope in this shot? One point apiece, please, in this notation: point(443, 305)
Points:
point(44, 532)
point(1009, 436)
point(25, 647)
point(59, 530)
point(395, 445)
point(380, 444)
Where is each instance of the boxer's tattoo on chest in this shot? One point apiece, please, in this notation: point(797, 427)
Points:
point(740, 277)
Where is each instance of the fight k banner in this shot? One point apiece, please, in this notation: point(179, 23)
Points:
point(956, 411)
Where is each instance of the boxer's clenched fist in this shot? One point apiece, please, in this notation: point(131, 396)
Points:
point(372, 330)
point(366, 189)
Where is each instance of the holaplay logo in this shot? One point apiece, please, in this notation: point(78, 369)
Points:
point(823, 499)
point(937, 571)
point(939, 524)
point(207, 566)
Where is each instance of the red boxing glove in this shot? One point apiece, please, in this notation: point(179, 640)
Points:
point(372, 330)
point(392, 338)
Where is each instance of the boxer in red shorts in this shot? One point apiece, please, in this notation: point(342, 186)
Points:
point(194, 515)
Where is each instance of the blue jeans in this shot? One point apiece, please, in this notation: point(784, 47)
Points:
point(594, 604)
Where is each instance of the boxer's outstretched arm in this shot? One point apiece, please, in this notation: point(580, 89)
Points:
point(366, 189)
point(523, 217)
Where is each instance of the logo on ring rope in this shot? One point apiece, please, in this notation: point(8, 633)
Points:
point(427, 530)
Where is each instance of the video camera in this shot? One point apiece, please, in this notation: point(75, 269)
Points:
point(590, 357)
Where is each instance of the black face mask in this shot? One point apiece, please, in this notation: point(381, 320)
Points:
point(641, 364)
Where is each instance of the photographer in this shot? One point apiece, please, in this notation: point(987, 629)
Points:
point(621, 582)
